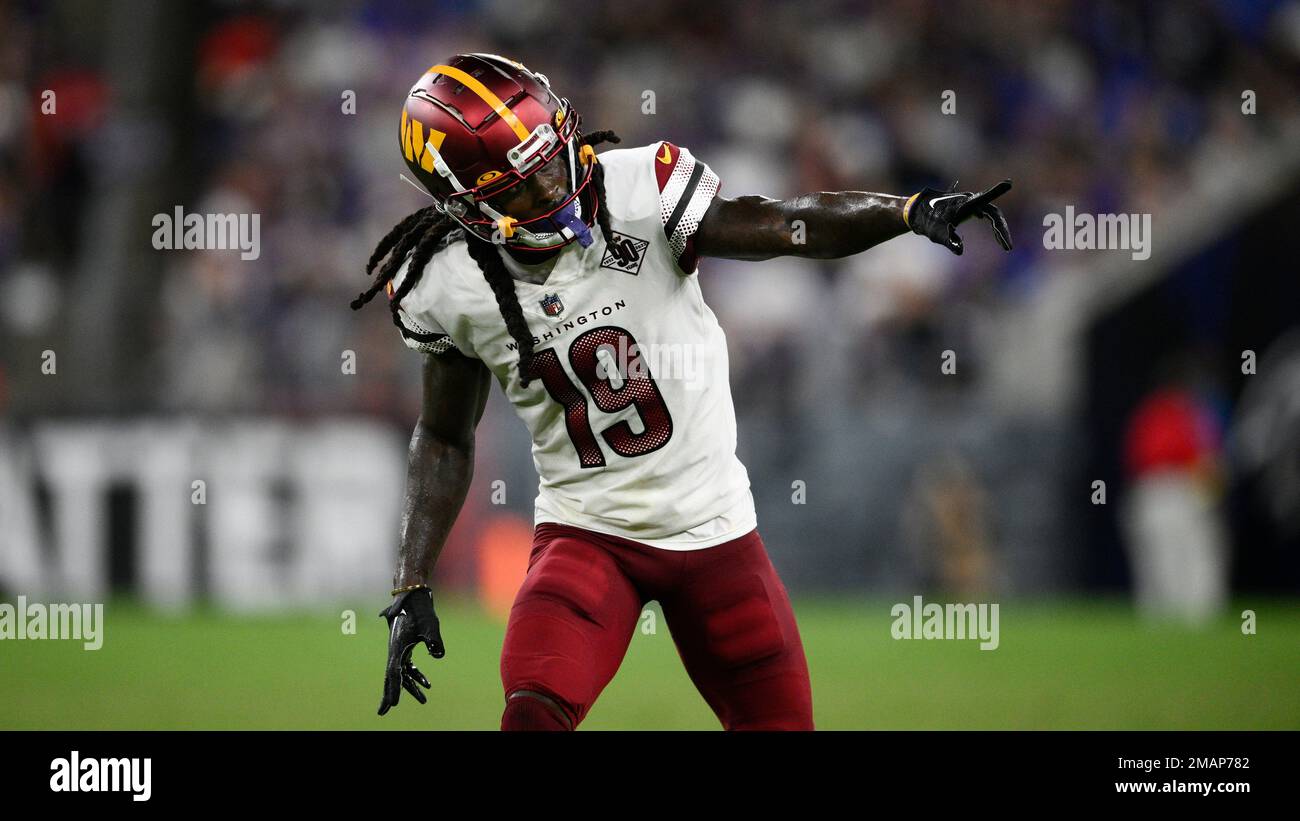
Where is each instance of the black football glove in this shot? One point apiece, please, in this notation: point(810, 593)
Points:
point(411, 621)
point(936, 214)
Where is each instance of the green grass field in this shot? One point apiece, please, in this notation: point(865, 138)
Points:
point(1077, 665)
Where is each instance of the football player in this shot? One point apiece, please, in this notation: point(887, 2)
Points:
point(555, 269)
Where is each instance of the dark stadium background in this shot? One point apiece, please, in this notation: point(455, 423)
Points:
point(175, 366)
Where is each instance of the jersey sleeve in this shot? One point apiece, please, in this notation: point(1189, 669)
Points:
point(686, 187)
point(421, 330)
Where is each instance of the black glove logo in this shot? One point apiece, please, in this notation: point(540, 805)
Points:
point(936, 214)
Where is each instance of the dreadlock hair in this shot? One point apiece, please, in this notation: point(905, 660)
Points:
point(426, 231)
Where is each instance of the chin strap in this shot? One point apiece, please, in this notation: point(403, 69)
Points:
point(568, 217)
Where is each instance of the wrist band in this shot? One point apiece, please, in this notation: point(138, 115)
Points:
point(402, 590)
point(907, 206)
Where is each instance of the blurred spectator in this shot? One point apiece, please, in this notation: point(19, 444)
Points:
point(1173, 514)
point(945, 521)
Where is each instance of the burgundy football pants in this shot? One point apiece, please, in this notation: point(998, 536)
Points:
point(728, 613)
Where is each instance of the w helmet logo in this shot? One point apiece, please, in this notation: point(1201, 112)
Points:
point(624, 254)
point(551, 305)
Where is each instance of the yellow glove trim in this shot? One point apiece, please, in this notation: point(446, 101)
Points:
point(907, 207)
point(399, 591)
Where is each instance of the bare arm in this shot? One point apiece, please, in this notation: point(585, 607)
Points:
point(833, 224)
point(441, 461)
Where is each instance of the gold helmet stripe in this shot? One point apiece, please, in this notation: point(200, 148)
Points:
point(487, 96)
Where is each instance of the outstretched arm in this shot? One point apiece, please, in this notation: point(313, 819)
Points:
point(833, 224)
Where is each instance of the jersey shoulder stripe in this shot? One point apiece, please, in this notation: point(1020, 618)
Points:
point(686, 187)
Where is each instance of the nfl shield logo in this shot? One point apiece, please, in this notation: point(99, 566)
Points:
point(551, 305)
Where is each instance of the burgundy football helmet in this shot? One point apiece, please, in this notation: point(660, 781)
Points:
point(479, 125)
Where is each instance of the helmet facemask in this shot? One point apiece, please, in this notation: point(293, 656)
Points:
point(479, 209)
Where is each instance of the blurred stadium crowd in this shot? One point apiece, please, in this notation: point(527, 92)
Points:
point(241, 107)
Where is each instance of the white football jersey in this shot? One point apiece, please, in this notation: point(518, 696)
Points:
point(633, 428)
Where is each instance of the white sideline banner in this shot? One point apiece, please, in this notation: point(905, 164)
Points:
point(269, 512)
